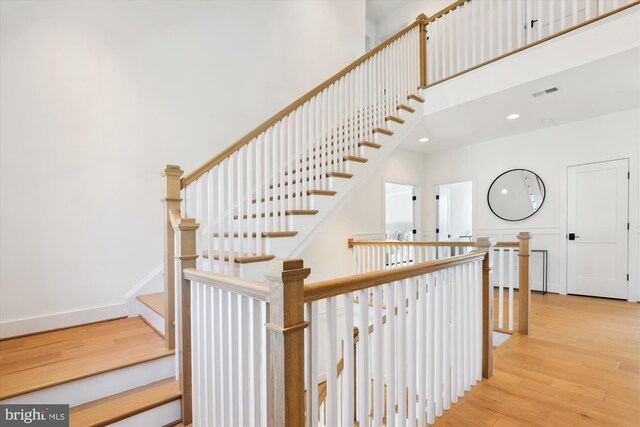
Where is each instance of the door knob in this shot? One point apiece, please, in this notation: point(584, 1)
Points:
point(572, 236)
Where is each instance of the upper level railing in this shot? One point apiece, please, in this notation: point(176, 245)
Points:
point(470, 34)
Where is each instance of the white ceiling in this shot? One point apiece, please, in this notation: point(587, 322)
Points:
point(378, 9)
point(597, 88)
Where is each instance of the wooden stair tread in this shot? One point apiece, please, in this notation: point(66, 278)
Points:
point(415, 98)
point(356, 159)
point(330, 159)
point(339, 175)
point(297, 194)
point(321, 192)
point(369, 144)
point(313, 178)
point(241, 259)
point(405, 108)
point(264, 234)
point(123, 405)
point(154, 301)
point(44, 360)
point(383, 131)
point(394, 119)
point(294, 212)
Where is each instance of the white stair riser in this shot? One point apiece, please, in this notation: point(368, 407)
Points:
point(266, 246)
point(289, 204)
point(367, 152)
point(153, 318)
point(158, 416)
point(254, 270)
point(96, 387)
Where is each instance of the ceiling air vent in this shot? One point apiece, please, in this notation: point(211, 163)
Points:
point(544, 92)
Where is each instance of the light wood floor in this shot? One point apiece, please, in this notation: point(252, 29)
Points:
point(505, 309)
point(580, 366)
point(34, 362)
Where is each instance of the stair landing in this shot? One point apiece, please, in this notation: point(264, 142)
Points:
point(43, 360)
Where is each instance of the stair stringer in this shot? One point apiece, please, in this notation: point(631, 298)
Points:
point(308, 227)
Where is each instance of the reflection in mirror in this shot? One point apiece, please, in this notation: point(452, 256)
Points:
point(516, 194)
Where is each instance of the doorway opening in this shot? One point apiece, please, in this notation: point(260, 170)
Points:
point(454, 212)
point(400, 211)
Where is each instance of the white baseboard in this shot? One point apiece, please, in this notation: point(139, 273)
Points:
point(12, 328)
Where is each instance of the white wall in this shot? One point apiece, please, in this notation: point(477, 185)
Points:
point(362, 214)
point(406, 14)
point(96, 97)
point(548, 153)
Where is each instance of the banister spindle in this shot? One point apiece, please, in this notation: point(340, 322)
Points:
point(487, 244)
point(172, 175)
point(524, 293)
point(286, 342)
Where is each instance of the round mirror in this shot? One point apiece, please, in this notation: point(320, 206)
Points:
point(516, 194)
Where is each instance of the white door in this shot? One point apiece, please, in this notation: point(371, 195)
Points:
point(597, 243)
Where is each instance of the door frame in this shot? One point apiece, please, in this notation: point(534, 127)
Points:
point(564, 256)
point(474, 207)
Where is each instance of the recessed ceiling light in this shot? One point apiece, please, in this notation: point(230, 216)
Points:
point(513, 116)
point(504, 191)
point(546, 121)
point(424, 139)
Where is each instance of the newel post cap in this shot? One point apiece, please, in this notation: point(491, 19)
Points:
point(187, 224)
point(524, 235)
point(421, 17)
point(172, 170)
point(287, 270)
point(486, 242)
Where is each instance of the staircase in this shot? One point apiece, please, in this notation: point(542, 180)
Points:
point(278, 220)
point(269, 193)
point(267, 196)
point(114, 372)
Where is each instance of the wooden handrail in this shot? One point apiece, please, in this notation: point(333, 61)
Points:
point(446, 10)
point(250, 288)
point(188, 179)
point(331, 288)
point(351, 243)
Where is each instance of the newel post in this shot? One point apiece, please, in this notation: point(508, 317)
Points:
point(285, 328)
point(524, 293)
point(185, 258)
point(171, 200)
point(487, 244)
point(423, 49)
